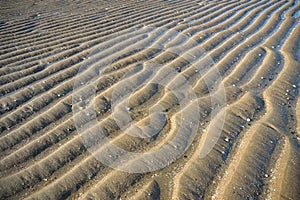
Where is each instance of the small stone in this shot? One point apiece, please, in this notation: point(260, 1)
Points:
point(266, 175)
point(248, 119)
point(262, 77)
point(129, 109)
point(294, 86)
point(226, 139)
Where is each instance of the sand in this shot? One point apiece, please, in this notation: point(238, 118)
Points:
point(211, 86)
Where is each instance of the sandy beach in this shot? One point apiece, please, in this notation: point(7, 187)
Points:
point(150, 99)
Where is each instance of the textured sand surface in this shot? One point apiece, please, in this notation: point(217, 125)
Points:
point(255, 47)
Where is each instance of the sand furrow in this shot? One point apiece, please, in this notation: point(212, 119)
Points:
point(56, 154)
point(274, 126)
point(65, 97)
point(87, 32)
point(200, 172)
point(63, 18)
point(56, 186)
point(202, 181)
point(52, 74)
point(151, 191)
point(76, 50)
point(201, 95)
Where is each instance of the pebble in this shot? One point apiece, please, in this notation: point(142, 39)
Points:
point(248, 119)
point(266, 175)
point(294, 86)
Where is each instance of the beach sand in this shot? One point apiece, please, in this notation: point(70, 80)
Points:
point(237, 137)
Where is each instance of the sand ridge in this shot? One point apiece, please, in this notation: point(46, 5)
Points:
point(254, 46)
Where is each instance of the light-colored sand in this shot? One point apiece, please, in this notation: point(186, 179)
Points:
point(254, 45)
